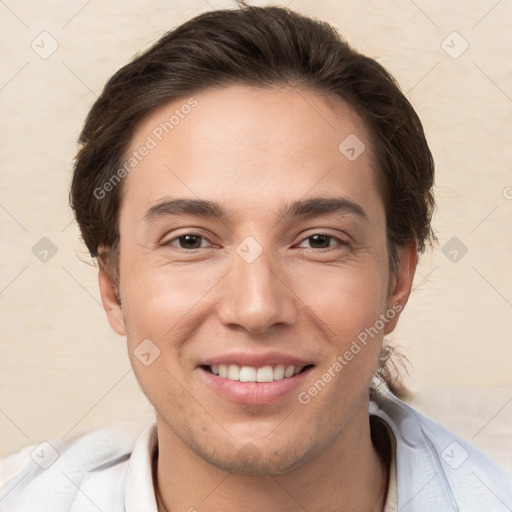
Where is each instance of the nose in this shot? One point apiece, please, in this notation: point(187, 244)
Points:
point(256, 296)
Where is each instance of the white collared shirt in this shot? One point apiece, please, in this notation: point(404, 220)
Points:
point(112, 470)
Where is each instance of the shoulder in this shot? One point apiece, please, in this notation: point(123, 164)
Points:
point(85, 472)
point(436, 469)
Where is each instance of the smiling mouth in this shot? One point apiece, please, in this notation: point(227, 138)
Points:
point(268, 373)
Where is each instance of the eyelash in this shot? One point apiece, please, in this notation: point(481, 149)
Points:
point(324, 249)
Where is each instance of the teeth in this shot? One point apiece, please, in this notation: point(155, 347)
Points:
point(251, 374)
point(288, 372)
point(233, 372)
point(248, 374)
point(279, 372)
point(265, 374)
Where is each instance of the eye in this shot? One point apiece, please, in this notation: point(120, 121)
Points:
point(188, 241)
point(321, 241)
point(193, 241)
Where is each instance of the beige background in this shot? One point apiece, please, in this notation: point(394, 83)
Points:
point(63, 370)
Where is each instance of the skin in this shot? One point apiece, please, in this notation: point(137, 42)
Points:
point(253, 151)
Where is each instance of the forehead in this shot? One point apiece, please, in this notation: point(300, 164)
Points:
point(250, 145)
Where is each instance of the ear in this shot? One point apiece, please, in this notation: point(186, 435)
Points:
point(110, 301)
point(401, 283)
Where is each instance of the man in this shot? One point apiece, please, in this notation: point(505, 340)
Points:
point(257, 194)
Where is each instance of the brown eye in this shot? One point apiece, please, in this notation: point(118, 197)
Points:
point(322, 241)
point(188, 241)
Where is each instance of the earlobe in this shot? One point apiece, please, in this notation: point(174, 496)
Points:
point(401, 283)
point(111, 303)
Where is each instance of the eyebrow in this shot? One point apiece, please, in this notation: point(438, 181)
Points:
point(309, 208)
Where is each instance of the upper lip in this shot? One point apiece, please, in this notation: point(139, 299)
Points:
point(256, 360)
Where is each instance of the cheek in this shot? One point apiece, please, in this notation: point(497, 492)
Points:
point(347, 298)
point(159, 299)
point(348, 308)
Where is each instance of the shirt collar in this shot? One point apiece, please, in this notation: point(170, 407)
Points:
point(140, 477)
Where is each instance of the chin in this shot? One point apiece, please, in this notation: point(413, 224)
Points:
point(254, 461)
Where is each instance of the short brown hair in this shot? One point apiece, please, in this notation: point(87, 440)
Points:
point(256, 46)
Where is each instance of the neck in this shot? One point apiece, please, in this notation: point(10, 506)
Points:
point(347, 475)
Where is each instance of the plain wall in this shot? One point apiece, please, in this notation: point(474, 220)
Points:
point(62, 368)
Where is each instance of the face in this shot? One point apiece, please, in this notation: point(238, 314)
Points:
point(251, 246)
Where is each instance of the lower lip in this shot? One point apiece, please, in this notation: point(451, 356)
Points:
point(254, 393)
